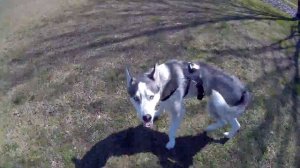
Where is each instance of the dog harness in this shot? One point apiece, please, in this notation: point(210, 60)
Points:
point(167, 97)
point(186, 91)
point(200, 90)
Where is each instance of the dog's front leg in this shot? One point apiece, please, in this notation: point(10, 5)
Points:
point(177, 113)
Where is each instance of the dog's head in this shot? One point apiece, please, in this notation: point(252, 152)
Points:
point(144, 93)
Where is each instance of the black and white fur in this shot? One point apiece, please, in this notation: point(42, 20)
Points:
point(163, 88)
point(228, 97)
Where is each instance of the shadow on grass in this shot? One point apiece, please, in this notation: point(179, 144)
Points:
point(280, 125)
point(189, 16)
point(96, 38)
point(141, 140)
point(275, 109)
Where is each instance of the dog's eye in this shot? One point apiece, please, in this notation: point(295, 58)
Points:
point(151, 97)
point(135, 98)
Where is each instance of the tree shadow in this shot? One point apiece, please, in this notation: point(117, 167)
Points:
point(129, 142)
point(189, 15)
point(140, 140)
point(280, 123)
point(96, 37)
point(295, 94)
point(105, 29)
point(287, 98)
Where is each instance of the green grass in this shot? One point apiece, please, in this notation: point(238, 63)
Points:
point(63, 88)
point(261, 6)
point(292, 3)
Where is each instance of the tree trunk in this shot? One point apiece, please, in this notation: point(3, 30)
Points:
point(298, 11)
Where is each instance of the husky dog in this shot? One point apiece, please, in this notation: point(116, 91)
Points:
point(162, 88)
point(228, 97)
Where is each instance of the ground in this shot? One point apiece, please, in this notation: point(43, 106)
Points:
point(62, 83)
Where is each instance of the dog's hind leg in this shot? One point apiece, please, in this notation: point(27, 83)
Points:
point(214, 109)
point(216, 125)
point(235, 126)
point(177, 114)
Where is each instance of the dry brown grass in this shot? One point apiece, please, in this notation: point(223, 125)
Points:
point(63, 86)
point(17, 15)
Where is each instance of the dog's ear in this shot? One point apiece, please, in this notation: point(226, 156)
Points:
point(129, 78)
point(154, 73)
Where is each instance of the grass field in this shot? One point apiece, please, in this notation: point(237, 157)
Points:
point(62, 83)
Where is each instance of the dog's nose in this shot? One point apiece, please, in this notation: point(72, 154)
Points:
point(147, 118)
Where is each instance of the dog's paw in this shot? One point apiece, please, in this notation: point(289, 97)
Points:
point(228, 135)
point(170, 145)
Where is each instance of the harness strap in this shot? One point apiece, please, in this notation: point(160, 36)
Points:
point(167, 97)
point(200, 90)
point(186, 91)
point(187, 88)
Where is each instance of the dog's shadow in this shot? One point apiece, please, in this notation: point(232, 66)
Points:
point(141, 140)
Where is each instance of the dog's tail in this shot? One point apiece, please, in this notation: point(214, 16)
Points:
point(235, 110)
point(245, 99)
point(241, 106)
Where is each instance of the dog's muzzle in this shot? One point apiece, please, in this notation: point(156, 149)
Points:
point(147, 120)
